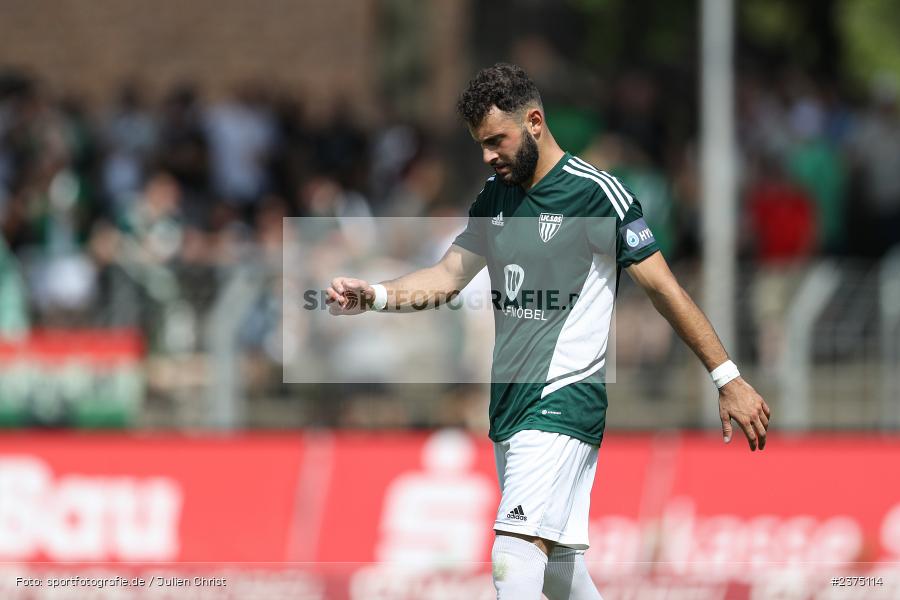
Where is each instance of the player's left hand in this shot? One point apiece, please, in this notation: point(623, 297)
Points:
point(739, 401)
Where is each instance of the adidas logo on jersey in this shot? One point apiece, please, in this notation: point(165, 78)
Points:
point(498, 220)
point(517, 513)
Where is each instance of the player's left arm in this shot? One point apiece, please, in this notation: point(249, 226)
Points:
point(737, 399)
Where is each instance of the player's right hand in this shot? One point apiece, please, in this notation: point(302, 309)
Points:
point(348, 296)
point(739, 401)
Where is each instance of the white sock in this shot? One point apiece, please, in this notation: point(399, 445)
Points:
point(567, 577)
point(518, 568)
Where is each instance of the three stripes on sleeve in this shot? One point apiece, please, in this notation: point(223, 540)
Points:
point(618, 196)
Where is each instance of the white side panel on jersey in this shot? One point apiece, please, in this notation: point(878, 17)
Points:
point(581, 347)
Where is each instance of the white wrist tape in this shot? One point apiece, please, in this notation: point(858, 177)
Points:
point(381, 297)
point(724, 373)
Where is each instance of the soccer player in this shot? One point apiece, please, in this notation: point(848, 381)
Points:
point(548, 400)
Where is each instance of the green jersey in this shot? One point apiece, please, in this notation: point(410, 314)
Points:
point(554, 251)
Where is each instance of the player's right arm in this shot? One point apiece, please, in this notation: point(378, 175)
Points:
point(425, 288)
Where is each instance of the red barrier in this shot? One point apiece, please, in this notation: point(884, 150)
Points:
point(118, 499)
point(404, 516)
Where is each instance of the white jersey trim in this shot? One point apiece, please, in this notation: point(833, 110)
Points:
point(561, 383)
point(614, 191)
point(626, 198)
point(491, 178)
point(599, 182)
point(581, 346)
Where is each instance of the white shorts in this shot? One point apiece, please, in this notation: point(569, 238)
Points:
point(545, 486)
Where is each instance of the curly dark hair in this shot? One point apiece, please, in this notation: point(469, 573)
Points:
point(505, 86)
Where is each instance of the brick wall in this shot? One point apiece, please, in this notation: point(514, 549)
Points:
point(325, 48)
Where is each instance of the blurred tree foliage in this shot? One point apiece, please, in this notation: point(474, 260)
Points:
point(842, 42)
point(871, 29)
point(840, 38)
point(790, 33)
point(638, 32)
point(403, 29)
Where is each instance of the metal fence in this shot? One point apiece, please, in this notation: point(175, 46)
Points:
point(820, 341)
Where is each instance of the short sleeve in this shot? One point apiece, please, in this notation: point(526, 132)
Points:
point(473, 237)
point(634, 239)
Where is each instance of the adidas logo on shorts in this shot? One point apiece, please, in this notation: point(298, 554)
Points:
point(517, 513)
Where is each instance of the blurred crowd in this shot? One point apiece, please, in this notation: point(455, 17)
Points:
point(818, 171)
point(182, 181)
point(189, 178)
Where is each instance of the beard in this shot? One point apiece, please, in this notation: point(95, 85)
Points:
point(522, 167)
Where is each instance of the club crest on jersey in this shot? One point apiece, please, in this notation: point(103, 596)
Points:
point(548, 225)
point(514, 276)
